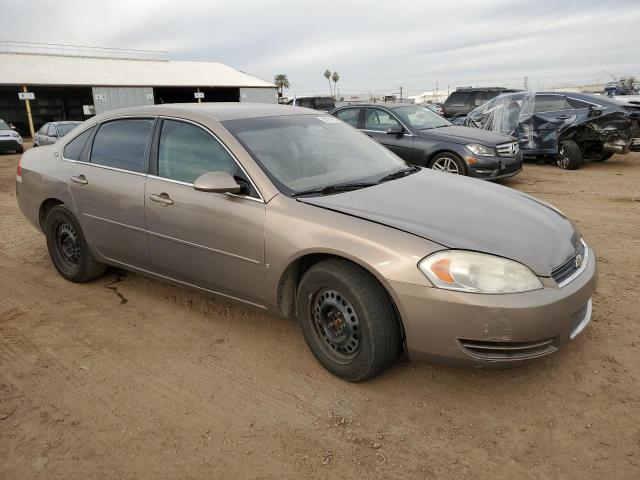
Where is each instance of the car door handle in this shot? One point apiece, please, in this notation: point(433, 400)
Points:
point(161, 198)
point(79, 179)
point(563, 117)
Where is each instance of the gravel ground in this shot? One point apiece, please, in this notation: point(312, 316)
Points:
point(125, 377)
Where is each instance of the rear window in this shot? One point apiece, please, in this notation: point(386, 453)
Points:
point(349, 115)
point(457, 98)
point(550, 103)
point(122, 144)
point(575, 103)
point(73, 149)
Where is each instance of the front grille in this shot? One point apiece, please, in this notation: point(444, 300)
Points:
point(489, 350)
point(508, 149)
point(565, 272)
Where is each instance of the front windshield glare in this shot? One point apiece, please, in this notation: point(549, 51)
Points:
point(302, 152)
point(421, 118)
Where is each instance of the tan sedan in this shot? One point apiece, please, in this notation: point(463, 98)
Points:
point(294, 211)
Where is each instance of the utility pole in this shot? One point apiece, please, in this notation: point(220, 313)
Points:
point(29, 117)
point(526, 83)
point(436, 97)
point(401, 94)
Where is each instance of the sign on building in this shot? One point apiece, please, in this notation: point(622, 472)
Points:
point(198, 94)
point(26, 96)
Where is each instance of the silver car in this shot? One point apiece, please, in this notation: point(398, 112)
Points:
point(292, 211)
point(51, 132)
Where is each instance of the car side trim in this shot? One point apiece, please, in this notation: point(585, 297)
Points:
point(113, 222)
point(197, 287)
point(187, 184)
point(197, 245)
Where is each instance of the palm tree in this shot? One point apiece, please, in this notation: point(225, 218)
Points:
point(335, 77)
point(281, 81)
point(327, 75)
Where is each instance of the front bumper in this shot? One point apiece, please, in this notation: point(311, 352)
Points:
point(9, 143)
point(466, 329)
point(495, 167)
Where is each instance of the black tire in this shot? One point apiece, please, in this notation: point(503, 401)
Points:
point(569, 155)
point(68, 248)
point(445, 161)
point(20, 150)
point(366, 339)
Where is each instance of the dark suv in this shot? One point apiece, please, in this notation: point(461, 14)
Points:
point(463, 100)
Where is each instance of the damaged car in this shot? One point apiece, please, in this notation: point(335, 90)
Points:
point(570, 127)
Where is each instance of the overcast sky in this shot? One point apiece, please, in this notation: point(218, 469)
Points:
point(374, 45)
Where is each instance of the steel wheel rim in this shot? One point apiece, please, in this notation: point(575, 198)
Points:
point(563, 157)
point(446, 164)
point(336, 325)
point(67, 245)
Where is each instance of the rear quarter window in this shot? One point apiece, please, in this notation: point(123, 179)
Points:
point(73, 149)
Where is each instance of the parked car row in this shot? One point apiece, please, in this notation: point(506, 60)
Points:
point(49, 133)
point(293, 211)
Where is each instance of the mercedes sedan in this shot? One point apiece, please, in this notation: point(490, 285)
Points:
point(422, 137)
point(292, 211)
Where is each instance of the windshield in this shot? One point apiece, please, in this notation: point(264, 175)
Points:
point(421, 118)
point(302, 152)
point(4, 126)
point(64, 128)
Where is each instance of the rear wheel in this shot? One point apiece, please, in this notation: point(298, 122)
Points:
point(68, 248)
point(569, 155)
point(448, 162)
point(348, 320)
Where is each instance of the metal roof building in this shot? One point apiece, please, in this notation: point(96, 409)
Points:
point(62, 82)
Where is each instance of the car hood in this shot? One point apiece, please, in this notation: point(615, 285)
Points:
point(463, 213)
point(465, 135)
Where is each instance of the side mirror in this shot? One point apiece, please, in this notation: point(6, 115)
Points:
point(216, 182)
point(395, 130)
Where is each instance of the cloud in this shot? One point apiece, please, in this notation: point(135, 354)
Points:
point(377, 45)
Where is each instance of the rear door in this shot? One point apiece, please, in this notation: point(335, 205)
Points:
point(108, 190)
point(552, 113)
point(376, 123)
point(212, 240)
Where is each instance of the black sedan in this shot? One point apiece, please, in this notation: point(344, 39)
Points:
point(422, 137)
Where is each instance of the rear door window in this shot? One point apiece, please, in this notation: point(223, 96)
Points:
point(457, 99)
point(122, 144)
point(550, 103)
point(350, 115)
point(73, 149)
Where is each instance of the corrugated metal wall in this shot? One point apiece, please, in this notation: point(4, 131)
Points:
point(110, 98)
point(259, 95)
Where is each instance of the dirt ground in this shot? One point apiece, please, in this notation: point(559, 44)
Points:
point(125, 377)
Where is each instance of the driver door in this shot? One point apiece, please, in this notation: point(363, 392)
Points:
point(213, 241)
point(376, 123)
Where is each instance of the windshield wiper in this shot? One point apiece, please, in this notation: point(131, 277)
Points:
point(342, 187)
point(400, 173)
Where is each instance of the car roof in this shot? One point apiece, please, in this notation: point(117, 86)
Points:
point(219, 111)
point(485, 89)
point(388, 105)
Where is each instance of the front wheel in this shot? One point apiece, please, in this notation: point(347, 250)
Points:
point(68, 248)
point(569, 155)
point(448, 162)
point(348, 320)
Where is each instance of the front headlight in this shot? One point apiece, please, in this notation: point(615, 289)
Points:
point(481, 150)
point(15, 134)
point(475, 272)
